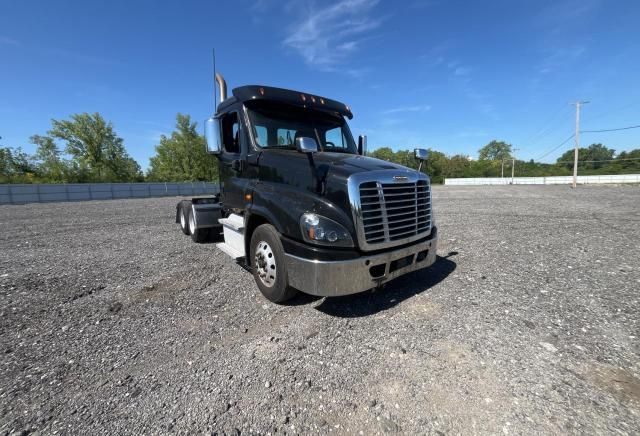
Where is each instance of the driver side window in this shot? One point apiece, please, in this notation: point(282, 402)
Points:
point(334, 139)
point(231, 133)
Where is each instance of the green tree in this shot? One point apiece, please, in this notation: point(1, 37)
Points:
point(595, 152)
point(15, 166)
point(119, 165)
point(495, 150)
point(382, 153)
point(628, 160)
point(97, 152)
point(458, 166)
point(49, 163)
point(183, 155)
point(436, 166)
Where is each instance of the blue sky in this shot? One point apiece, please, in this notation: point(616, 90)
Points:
point(450, 75)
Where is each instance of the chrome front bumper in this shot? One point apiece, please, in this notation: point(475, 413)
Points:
point(333, 278)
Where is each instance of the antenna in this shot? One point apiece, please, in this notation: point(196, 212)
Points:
point(215, 91)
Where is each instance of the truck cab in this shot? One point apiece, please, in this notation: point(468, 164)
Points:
point(301, 205)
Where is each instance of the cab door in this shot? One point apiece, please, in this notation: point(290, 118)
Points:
point(233, 164)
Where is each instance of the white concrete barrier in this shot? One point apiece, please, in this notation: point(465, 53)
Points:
point(553, 180)
point(41, 193)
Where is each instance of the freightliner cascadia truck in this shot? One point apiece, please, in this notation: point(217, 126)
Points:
point(300, 203)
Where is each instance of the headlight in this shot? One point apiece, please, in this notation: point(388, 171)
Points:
point(320, 230)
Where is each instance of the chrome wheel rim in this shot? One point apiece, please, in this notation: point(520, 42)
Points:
point(265, 264)
point(192, 224)
point(182, 223)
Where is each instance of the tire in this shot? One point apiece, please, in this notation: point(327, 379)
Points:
point(268, 264)
point(183, 220)
point(197, 235)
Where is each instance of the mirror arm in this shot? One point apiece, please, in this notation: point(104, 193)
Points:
point(362, 145)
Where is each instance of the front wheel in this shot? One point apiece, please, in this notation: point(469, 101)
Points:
point(268, 264)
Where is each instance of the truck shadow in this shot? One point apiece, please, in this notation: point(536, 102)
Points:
point(395, 292)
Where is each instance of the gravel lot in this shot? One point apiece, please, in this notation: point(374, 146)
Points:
point(114, 322)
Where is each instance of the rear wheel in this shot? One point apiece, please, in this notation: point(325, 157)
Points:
point(268, 264)
point(197, 235)
point(183, 220)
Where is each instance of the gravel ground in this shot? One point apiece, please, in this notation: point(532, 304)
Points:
point(113, 322)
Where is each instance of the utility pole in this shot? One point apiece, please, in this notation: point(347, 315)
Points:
point(513, 163)
point(502, 170)
point(577, 104)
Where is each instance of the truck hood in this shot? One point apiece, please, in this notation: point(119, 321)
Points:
point(355, 163)
point(324, 173)
point(296, 168)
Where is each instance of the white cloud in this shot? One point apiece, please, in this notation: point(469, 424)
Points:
point(560, 57)
point(326, 37)
point(437, 61)
point(258, 10)
point(5, 40)
point(82, 58)
point(462, 71)
point(156, 135)
point(482, 102)
point(421, 4)
point(421, 108)
point(473, 133)
point(564, 15)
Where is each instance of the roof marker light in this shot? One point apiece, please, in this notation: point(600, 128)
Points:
point(261, 91)
point(313, 99)
point(321, 100)
point(303, 97)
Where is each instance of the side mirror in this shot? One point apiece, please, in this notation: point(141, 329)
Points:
point(421, 153)
point(305, 144)
point(212, 136)
point(362, 145)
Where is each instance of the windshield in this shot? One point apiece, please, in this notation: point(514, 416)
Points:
point(276, 126)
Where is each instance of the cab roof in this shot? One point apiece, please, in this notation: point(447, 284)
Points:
point(248, 93)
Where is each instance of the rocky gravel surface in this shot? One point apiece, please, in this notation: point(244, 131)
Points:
point(113, 322)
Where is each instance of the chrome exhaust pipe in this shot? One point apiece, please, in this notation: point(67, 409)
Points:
point(222, 85)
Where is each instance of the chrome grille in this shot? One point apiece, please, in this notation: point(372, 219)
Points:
point(394, 212)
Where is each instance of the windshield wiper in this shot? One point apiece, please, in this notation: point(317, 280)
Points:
point(337, 151)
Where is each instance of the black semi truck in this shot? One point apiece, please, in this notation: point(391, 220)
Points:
point(301, 206)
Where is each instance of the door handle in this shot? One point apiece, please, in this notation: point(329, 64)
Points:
point(237, 165)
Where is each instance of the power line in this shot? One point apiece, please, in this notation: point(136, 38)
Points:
point(610, 130)
point(557, 147)
point(603, 160)
point(586, 131)
point(613, 111)
point(545, 129)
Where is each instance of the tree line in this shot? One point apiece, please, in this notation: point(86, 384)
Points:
point(86, 148)
point(496, 158)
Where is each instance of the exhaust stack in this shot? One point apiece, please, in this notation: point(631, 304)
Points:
point(222, 84)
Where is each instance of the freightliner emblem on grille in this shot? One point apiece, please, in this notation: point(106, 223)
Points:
point(400, 178)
